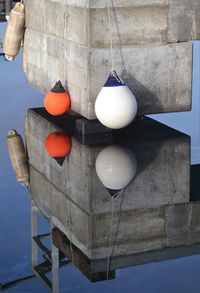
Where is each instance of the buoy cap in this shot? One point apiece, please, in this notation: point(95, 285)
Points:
point(114, 80)
point(60, 160)
point(8, 57)
point(12, 133)
point(58, 88)
point(114, 192)
point(115, 106)
point(57, 101)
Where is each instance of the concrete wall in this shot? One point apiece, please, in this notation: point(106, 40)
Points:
point(151, 52)
point(136, 230)
point(157, 180)
point(153, 212)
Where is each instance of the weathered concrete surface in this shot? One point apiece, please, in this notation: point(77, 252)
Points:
point(95, 266)
point(146, 53)
point(153, 213)
point(136, 230)
point(159, 76)
point(157, 161)
point(132, 22)
point(81, 261)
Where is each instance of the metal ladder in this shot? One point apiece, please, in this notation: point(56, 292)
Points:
point(53, 259)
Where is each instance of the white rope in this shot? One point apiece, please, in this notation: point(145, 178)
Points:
point(111, 39)
point(113, 236)
point(70, 231)
point(110, 240)
point(114, 73)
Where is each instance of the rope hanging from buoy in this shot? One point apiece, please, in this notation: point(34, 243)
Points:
point(111, 39)
point(115, 106)
point(113, 233)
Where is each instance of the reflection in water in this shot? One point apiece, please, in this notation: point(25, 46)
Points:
point(58, 145)
point(116, 166)
point(153, 218)
point(2, 56)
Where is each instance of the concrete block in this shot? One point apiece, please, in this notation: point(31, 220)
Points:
point(184, 224)
point(128, 26)
point(134, 231)
point(132, 22)
point(147, 51)
point(159, 76)
point(55, 19)
point(77, 50)
point(184, 23)
point(148, 224)
point(95, 266)
point(35, 14)
point(77, 25)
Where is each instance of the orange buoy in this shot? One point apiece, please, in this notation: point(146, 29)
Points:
point(58, 145)
point(57, 101)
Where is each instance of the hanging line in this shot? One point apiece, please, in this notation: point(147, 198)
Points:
point(70, 232)
point(111, 245)
point(110, 240)
point(111, 39)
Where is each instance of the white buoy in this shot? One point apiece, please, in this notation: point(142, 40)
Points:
point(115, 106)
point(116, 167)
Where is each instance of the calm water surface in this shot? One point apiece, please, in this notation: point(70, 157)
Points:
point(160, 189)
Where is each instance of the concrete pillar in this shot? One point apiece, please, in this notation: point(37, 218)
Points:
point(152, 49)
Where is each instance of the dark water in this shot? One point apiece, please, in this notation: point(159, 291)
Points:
point(155, 154)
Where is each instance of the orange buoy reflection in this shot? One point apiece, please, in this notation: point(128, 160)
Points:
point(58, 145)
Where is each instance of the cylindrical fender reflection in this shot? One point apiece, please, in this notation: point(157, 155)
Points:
point(18, 157)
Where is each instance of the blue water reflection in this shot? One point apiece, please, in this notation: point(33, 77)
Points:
point(16, 97)
point(189, 122)
point(175, 276)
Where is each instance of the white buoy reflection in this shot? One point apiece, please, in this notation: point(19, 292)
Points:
point(116, 166)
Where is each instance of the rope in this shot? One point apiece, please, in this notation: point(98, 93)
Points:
point(113, 236)
point(110, 240)
point(70, 232)
point(111, 39)
point(114, 73)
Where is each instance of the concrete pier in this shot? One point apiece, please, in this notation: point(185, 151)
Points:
point(152, 50)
